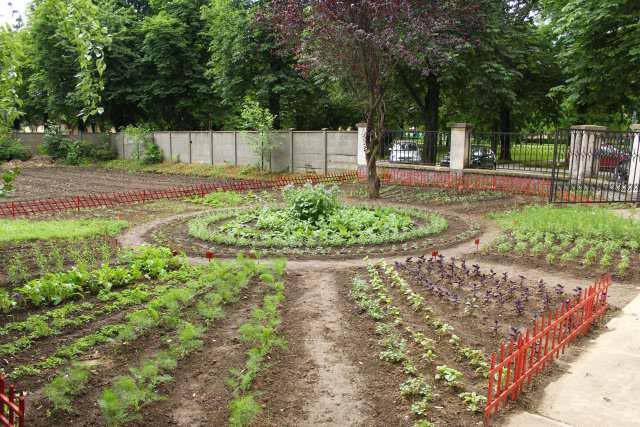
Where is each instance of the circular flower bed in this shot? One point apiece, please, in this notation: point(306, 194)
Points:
point(274, 227)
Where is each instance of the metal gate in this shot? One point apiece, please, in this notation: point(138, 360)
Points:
point(594, 165)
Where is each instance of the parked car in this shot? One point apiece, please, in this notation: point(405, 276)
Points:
point(405, 151)
point(481, 158)
point(611, 159)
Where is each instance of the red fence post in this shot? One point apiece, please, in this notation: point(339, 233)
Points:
point(528, 358)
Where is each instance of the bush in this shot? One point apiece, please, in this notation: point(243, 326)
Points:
point(311, 203)
point(11, 148)
point(152, 153)
point(55, 143)
point(146, 152)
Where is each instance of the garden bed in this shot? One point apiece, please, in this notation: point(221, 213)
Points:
point(435, 322)
point(105, 351)
point(586, 241)
point(176, 235)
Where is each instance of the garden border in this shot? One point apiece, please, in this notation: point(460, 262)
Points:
point(526, 358)
point(10, 407)
point(31, 207)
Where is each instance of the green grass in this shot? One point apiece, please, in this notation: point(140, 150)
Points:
point(583, 221)
point(18, 230)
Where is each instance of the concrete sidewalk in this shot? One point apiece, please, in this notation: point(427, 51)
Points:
point(601, 387)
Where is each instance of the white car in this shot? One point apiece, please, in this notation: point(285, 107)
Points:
point(405, 151)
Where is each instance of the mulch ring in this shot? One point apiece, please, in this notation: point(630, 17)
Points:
point(176, 236)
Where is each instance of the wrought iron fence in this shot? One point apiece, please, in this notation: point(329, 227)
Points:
point(597, 166)
point(418, 147)
point(514, 151)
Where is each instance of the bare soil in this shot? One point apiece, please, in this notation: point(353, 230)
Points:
point(62, 181)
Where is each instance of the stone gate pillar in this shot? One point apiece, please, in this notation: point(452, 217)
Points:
point(583, 158)
point(460, 142)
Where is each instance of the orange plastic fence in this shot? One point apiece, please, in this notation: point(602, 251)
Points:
point(519, 361)
point(12, 413)
point(31, 207)
point(528, 185)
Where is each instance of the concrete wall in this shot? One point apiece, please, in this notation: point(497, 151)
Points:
point(311, 151)
point(33, 140)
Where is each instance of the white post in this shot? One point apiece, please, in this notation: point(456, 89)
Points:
point(634, 162)
point(460, 142)
point(291, 149)
point(325, 166)
point(583, 161)
point(362, 138)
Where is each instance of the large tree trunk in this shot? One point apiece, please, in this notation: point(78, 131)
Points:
point(505, 137)
point(373, 137)
point(372, 147)
point(431, 119)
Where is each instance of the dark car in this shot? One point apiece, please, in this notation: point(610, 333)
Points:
point(481, 158)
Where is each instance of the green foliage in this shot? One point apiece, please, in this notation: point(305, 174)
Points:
point(260, 120)
point(219, 199)
point(11, 58)
point(6, 302)
point(11, 148)
point(311, 203)
point(20, 230)
point(7, 178)
point(146, 151)
point(242, 410)
point(68, 41)
point(450, 376)
point(474, 401)
point(349, 225)
point(55, 142)
point(62, 390)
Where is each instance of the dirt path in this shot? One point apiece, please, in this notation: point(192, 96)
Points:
point(337, 398)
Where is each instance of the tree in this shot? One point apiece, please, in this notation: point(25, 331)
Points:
point(600, 55)
point(10, 78)
point(68, 47)
point(247, 60)
point(363, 41)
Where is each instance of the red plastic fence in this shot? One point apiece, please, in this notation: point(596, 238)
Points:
point(12, 413)
point(31, 207)
point(527, 185)
point(519, 361)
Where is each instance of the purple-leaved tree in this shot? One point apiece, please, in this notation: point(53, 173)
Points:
point(362, 42)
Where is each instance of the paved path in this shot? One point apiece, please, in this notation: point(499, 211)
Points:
point(601, 387)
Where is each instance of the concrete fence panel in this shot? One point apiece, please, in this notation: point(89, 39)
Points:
point(201, 147)
point(117, 141)
point(181, 150)
point(246, 155)
point(280, 156)
point(163, 141)
point(308, 151)
point(342, 150)
point(224, 148)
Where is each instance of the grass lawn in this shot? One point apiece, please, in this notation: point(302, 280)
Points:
point(16, 230)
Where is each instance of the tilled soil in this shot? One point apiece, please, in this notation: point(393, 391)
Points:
point(63, 181)
point(200, 395)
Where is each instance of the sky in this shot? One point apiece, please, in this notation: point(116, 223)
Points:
point(5, 10)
